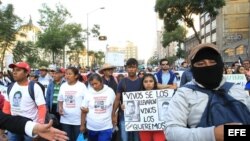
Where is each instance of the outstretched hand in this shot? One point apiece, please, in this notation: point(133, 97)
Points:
point(50, 133)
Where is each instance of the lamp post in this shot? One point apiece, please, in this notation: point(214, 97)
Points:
point(88, 32)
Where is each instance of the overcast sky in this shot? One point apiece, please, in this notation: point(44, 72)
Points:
point(120, 21)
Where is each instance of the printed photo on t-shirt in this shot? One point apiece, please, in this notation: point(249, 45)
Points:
point(100, 106)
point(70, 100)
point(17, 99)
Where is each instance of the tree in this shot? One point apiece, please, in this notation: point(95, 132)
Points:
point(171, 59)
point(99, 56)
point(177, 35)
point(76, 45)
point(153, 61)
point(181, 53)
point(175, 11)
point(29, 52)
point(57, 33)
point(8, 30)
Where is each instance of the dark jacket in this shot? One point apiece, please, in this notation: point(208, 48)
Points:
point(111, 83)
point(10, 123)
point(50, 94)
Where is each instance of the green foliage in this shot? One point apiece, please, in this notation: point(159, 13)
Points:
point(181, 53)
point(153, 61)
point(8, 30)
point(95, 31)
point(177, 35)
point(98, 58)
point(175, 11)
point(57, 33)
point(172, 59)
point(28, 52)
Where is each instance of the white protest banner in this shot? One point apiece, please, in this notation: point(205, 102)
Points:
point(238, 79)
point(115, 59)
point(146, 110)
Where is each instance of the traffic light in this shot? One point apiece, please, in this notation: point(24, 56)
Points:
point(102, 38)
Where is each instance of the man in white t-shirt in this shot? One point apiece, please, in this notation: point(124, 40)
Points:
point(19, 101)
point(44, 78)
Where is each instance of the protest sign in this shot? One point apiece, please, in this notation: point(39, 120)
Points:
point(238, 79)
point(146, 110)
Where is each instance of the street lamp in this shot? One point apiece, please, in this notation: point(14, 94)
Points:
point(88, 31)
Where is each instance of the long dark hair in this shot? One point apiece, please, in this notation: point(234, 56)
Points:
point(153, 77)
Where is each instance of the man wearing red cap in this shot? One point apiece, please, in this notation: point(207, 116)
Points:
point(19, 101)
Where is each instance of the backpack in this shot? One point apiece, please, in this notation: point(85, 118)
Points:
point(221, 107)
point(30, 89)
point(31, 85)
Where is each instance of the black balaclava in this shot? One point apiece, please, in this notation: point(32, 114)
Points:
point(210, 76)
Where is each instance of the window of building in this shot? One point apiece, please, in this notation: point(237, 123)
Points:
point(208, 39)
point(208, 29)
point(202, 31)
point(213, 24)
point(229, 52)
point(207, 17)
point(203, 40)
point(240, 50)
point(214, 37)
point(202, 20)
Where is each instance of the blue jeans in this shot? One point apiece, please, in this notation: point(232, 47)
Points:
point(16, 137)
point(104, 135)
point(71, 130)
point(127, 135)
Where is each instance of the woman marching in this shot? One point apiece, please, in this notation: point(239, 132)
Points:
point(97, 109)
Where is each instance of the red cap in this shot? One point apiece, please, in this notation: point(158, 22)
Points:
point(23, 65)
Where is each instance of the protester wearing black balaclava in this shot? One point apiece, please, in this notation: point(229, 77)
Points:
point(208, 76)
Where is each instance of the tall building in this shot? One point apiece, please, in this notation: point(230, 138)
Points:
point(230, 30)
point(28, 32)
point(130, 50)
point(162, 52)
point(233, 30)
point(207, 28)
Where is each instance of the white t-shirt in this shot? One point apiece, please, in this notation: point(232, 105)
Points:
point(100, 105)
point(72, 96)
point(21, 102)
point(45, 82)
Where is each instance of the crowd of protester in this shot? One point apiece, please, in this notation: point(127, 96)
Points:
point(90, 102)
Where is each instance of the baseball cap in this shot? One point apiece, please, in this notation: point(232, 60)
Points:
point(33, 74)
point(23, 65)
point(197, 48)
point(60, 70)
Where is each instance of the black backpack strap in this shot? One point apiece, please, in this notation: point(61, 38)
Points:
point(31, 90)
point(9, 88)
point(124, 85)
